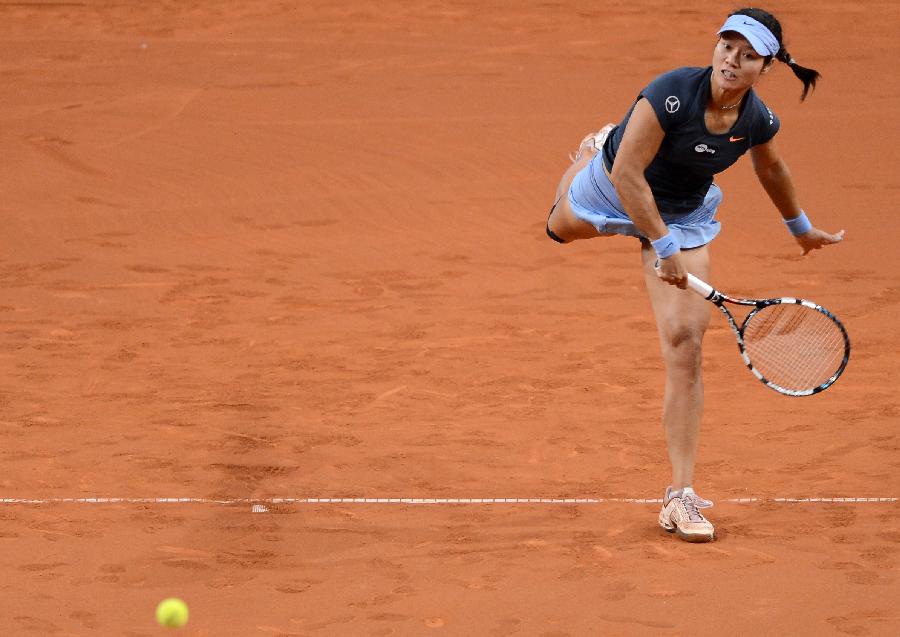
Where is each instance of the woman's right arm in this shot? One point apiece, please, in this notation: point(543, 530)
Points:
point(639, 146)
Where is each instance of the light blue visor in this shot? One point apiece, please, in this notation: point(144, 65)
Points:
point(758, 35)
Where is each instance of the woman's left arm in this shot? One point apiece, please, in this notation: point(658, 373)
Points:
point(775, 177)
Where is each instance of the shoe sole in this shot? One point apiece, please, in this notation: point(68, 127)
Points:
point(688, 537)
point(600, 136)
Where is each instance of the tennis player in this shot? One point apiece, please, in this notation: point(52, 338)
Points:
point(651, 177)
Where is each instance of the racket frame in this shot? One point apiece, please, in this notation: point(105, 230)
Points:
point(719, 299)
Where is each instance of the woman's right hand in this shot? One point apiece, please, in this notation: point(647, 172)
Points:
point(672, 271)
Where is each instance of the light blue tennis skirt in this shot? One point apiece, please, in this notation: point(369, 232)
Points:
point(593, 198)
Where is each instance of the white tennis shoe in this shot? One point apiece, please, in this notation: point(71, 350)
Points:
point(592, 141)
point(681, 515)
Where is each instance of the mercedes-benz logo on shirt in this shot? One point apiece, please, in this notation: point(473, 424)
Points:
point(672, 104)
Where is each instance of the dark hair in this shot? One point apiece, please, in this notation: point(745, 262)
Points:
point(807, 76)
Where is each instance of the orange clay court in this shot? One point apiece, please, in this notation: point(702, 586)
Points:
point(255, 251)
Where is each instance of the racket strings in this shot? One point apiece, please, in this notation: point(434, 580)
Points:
point(794, 346)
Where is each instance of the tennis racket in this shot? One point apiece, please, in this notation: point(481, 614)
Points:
point(796, 347)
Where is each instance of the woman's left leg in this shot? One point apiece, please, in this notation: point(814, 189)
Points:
point(681, 318)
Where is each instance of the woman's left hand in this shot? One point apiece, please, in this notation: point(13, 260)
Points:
point(815, 239)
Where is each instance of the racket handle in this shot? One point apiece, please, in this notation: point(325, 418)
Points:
point(701, 287)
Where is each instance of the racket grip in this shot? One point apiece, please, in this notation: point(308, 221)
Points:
point(701, 287)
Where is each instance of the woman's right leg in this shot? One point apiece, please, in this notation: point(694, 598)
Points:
point(562, 221)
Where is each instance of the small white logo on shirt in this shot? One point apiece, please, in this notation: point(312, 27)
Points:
point(703, 148)
point(771, 116)
point(672, 104)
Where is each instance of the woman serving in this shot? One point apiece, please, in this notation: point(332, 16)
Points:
point(651, 177)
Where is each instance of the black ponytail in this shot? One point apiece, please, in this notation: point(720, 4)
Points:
point(809, 77)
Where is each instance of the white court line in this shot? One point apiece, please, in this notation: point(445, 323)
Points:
point(265, 501)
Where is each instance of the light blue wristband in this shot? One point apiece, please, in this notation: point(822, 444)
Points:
point(798, 225)
point(666, 246)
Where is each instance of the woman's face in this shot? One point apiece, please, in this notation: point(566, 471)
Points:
point(736, 66)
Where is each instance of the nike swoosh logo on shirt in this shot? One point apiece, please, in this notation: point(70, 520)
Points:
point(735, 139)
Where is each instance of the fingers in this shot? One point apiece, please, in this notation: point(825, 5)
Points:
point(818, 240)
point(671, 270)
point(678, 283)
point(678, 278)
point(809, 247)
point(828, 239)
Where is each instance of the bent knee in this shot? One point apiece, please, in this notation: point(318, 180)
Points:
point(554, 236)
point(563, 226)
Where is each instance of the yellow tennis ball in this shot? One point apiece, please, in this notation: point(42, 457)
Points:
point(172, 613)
